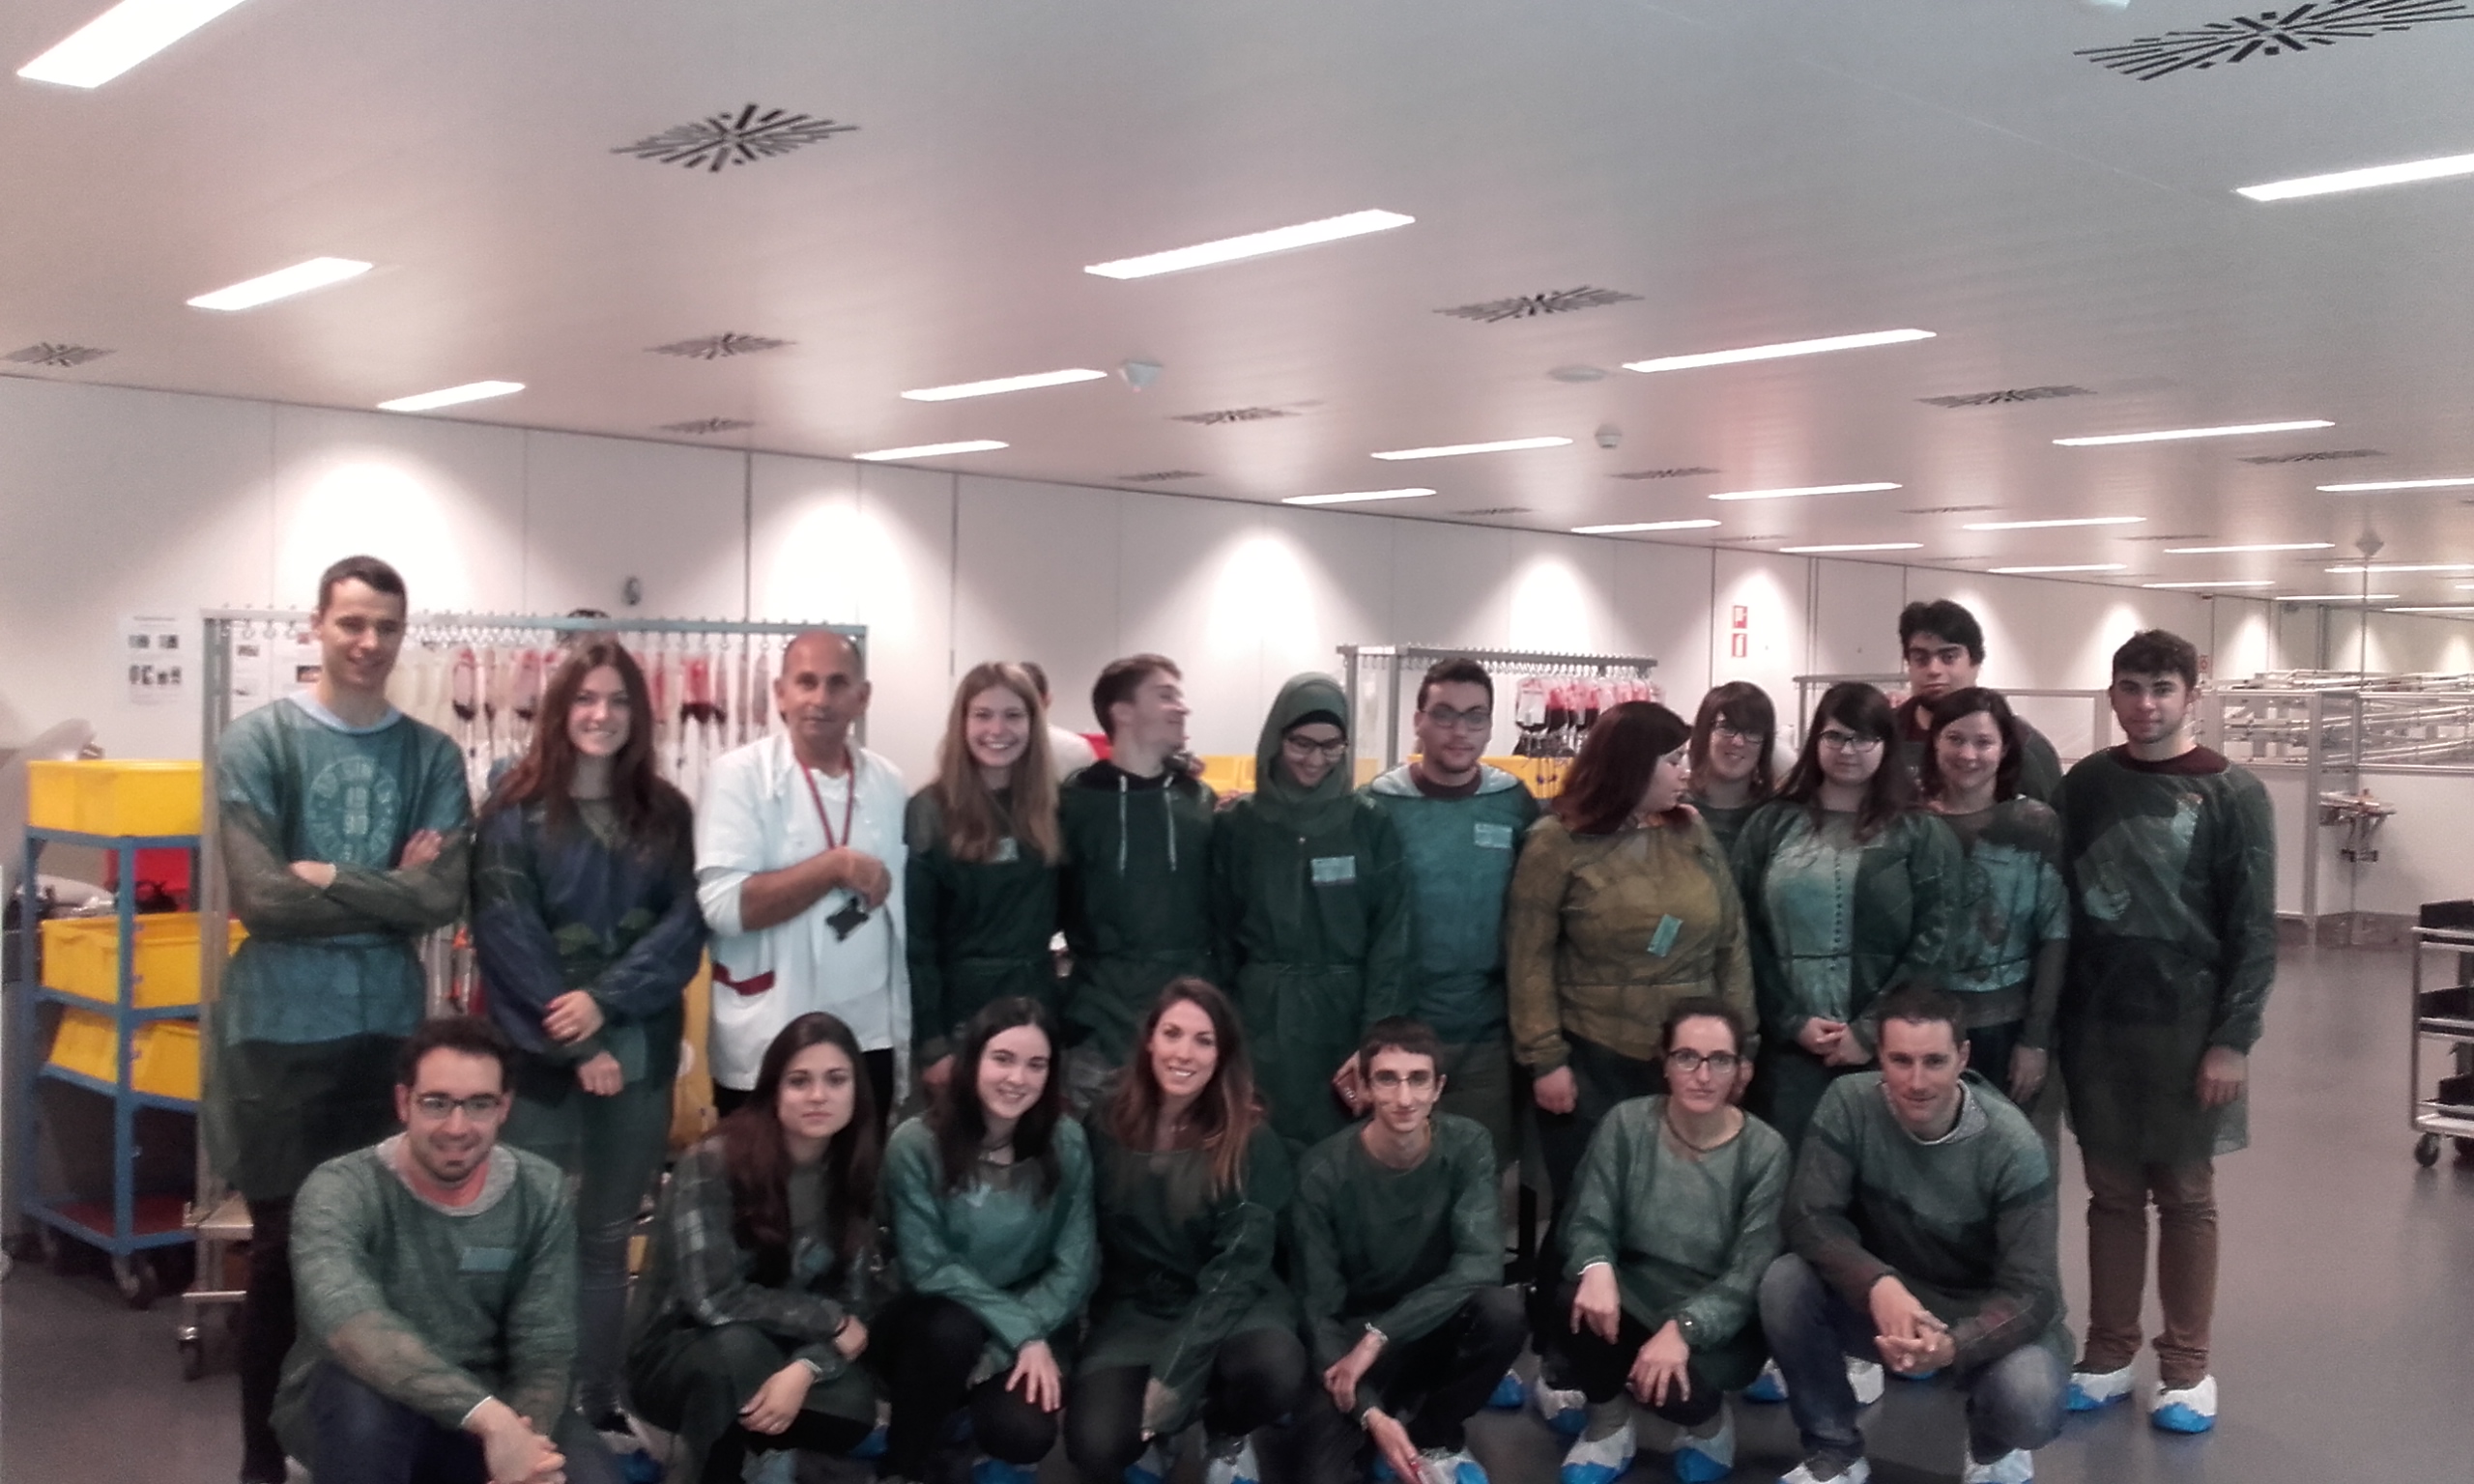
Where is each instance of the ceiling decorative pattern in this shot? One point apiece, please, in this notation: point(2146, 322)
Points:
point(1681, 472)
point(706, 427)
point(1160, 477)
point(1233, 414)
point(2011, 394)
point(718, 141)
point(2271, 34)
point(1528, 306)
point(50, 353)
point(2319, 456)
point(719, 346)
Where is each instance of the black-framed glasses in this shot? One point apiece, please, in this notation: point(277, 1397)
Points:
point(1475, 719)
point(1415, 1081)
point(1848, 742)
point(1726, 733)
point(1721, 1064)
point(1307, 747)
point(481, 1107)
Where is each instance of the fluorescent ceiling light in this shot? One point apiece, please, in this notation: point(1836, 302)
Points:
point(2169, 433)
point(2259, 546)
point(1254, 244)
point(282, 283)
point(2445, 608)
point(930, 450)
point(1454, 450)
point(2254, 581)
point(1810, 489)
point(1354, 497)
point(1780, 350)
point(2084, 519)
point(119, 39)
point(469, 391)
point(2088, 566)
point(2337, 597)
point(2395, 484)
point(2406, 174)
point(2377, 570)
point(1858, 545)
point(990, 389)
point(1625, 530)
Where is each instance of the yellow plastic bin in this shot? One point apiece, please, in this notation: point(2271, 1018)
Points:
point(81, 956)
point(166, 1063)
point(117, 796)
point(85, 1043)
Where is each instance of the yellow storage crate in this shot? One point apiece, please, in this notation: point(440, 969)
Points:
point(1230, 772)
point(81, 956)
point(165, 1063)
point(116, 796)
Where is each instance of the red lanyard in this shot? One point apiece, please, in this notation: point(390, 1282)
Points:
point(849, 801)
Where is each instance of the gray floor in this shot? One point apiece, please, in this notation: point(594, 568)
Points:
point(2344, 1333)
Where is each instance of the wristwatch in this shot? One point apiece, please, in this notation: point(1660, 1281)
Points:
point(1688, 1327)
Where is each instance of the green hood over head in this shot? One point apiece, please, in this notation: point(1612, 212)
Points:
point(1323, 807)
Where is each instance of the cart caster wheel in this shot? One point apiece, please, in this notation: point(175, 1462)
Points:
point(137, 1281)
point(192, 1357)
point(2427, 1151)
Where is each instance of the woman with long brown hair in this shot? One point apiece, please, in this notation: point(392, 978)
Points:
point(585, 923)
point(981, 882)
point(1733, 738)
point(766, 1272)
point(1189, 1181)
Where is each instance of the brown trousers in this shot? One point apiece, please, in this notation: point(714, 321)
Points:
point(2117, 1201)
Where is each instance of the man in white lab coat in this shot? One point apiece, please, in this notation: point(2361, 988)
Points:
point(799, 868)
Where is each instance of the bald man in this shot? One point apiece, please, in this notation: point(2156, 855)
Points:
point(799, 868)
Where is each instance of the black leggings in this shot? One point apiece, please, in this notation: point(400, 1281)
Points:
point(266, 1338)
point(1255, 1377)
point(1599, 1370)
point(929, 1347)
point(1432, 1384)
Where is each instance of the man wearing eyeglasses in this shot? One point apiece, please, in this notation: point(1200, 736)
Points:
point(1462, 824)
point(1944, 647)
point(437, 1279)
point(1398, 1246)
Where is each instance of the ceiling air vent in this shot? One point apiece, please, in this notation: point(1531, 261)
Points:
point(1948, 509)
point(1497, 510)
point(707, 427)
point(2180, 535)
point(718, 347)
point(723, 139)
point(1528, 306)
point(2011, 394)
point(46, 353)
point(1686, 471)
point(1160, 477)
point(1234, 414)
point(2319, 456)
point(1734, 540)
point(2270, 33)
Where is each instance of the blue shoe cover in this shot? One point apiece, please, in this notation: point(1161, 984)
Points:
point(2179, 1418)
point(1510, 1393)
point(871, 1447)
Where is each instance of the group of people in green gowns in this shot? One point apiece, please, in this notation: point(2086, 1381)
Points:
point(1234, 1155)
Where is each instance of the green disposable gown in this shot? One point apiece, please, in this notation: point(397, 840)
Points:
point(1688, 1233)
point(1833, 922)
point(1182, 1266)
point(2172, 950)
point(327, 982)
point(1399, 1250)
point(1134, 899)
point(2039, 765)
point(2012, 922)
point(1313, 898)
point(1020, 1256)
point(1460, 855)
point(1726, 822)
point(979, 930)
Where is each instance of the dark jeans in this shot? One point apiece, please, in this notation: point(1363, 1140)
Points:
point(1432, 1384)
point(727, 1100)
point(1601, 1078)
point(266, 1338)
point(2014, 1401)
point(1598, 1370)
point(695, 1389)
point(365, 1437)
point(931, 1347)
point(1254, 1378)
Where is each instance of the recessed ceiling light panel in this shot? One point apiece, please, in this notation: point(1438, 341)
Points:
point(1455, 450)
point(2257, 546)
point(1004, 383)
point(2444, 608)
point(1354, 497)
point(1254, 244)
point(2084, 566)
point(2084, 520)
point(2247, 581)
point(1780, 350)
point(2337, 597)
point(2171, 434)
point(282, 283)
point(2395, 484)
point(2378, 570)
point(451, 396)
point(2443, 168)
point(1854, 546)
point(1629, 527)
point(1809, 489)
point(119, 39)
point(930, 450)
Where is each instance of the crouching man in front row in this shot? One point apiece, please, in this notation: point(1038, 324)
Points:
point(437, 1280)
point(1921, 1229)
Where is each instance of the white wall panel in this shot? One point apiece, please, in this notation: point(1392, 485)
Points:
point(1855, 628)
point(600, 510)
point(1347, 561)
point(907, 600)
point(1036, 579)
point(1446, 589)
point(1210, 586)
point(442, 501)
point(1661, 598)
point(1771, 591)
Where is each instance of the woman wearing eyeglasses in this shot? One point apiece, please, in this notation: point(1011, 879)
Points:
point(1312, 895)
point(1622, 906)
point(1732, 739)
point(1848, 890)
point(586, 923)
point(1673, 1218)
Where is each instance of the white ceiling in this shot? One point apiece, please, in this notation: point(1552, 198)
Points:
point(1753, 171)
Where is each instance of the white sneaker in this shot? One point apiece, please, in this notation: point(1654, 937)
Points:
point(2015, 1466)
point(1450, 1465)
point(1566, 1412)
point(1865, 1376)
point(1153, 1467)
point(1710, 1458)
point(1599, 1459)
point(2190, 1410)
point(1232, 1461)
point(2096, 1391)
point(1771, 1386)
point(1857, 1471)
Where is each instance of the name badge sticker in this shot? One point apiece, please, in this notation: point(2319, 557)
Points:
point(485, 1260)
point(1008, 850)
point(1494, 836)
point(1333, 869)
point(1662, 941)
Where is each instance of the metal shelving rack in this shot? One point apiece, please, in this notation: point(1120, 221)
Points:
point(1397, 668)
point(2442, 1017)
point(135, 1224)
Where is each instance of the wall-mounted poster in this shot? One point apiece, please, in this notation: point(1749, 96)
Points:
point(155, 652)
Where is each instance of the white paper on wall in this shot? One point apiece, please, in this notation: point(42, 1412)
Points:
point(155, 653)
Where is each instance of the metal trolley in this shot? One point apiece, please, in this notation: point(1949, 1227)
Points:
point(2443, 1017)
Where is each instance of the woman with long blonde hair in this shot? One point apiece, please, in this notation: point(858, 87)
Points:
point(981, 881)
